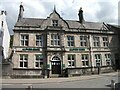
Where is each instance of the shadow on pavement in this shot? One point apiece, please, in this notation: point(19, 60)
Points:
point(117, 86)
point(108, 85)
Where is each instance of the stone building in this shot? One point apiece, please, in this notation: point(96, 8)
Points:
point(55, 47)
point(4, 36)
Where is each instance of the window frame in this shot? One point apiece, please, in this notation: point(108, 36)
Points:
point(98, 60)
point(83, 41)
point(23, 40)
point(54, 23)
point(23, 60)
point(105, 41)
point(55, 40)
point(96, 41)
point(71, 60)
point(108, 59)
point(39, 61)
point(39, 40)
point(84, 60)
point(70, 41)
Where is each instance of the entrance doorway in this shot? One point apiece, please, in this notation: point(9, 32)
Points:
point(56, 65)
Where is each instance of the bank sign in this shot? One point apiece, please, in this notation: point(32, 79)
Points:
point(78, 49)
point(30, 49)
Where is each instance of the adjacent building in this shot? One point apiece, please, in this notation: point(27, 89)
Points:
point(4, 36)
point(54, 46)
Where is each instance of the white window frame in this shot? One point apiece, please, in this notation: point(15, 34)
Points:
point(55, 39)
point(98, 59)
point(70, 41)
point(83, 41)
point(55, 23)
point(71, 61)
point(108, 59)
point(96, 41)
point(85, 60)
point(105, 41)
point(23, 60)
point(39, 40)
point(24, 40)
point(39, 61)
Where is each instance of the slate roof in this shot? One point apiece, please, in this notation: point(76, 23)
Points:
point(30, 22)
point(87, 25)
point(71, 23)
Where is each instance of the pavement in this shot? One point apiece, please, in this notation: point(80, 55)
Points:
point(56, 80)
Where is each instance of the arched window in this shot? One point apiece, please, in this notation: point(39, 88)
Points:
point(55, 58)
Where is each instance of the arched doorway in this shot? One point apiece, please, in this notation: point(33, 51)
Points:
point(56, 65)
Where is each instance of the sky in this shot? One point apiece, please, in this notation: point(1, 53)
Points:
point(93, 10)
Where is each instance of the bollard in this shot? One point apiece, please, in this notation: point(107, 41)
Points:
point(112, 85)
point(30, 87)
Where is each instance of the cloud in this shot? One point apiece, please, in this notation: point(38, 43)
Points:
point(107, 13)
point(94, 10)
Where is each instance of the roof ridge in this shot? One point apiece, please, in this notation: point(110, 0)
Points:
point(85, 21)
point(35, 18)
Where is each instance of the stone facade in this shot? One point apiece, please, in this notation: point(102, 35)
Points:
point(48, 47)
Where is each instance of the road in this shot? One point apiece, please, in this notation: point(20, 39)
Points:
point(97, 81)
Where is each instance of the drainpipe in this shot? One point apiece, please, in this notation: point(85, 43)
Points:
point(45, 55)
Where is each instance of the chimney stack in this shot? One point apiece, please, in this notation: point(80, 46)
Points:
point(3, 12)
point(20, 16)
point(80, 14)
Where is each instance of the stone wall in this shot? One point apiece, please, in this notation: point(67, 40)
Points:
point(26, 73)
point(6, 70)
point(87, 71)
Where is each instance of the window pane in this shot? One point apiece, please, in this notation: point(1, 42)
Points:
point(69, 57)
point(73, 64)
point(69, 63)
point(73, 57)
point(25, 57)
point(25, 64)
point(72, 43)
point(21, 57)
point(37, 64)
point(21, 64)
point(83, 63)
point(86, 57)
point(87, 63)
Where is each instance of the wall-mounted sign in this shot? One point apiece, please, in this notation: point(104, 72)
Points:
point(77, 49)
point(63, 65)
point(31, 49)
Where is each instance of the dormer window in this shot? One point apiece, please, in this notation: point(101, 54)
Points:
point(55, 23)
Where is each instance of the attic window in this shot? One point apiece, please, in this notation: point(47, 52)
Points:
point(55, 23)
